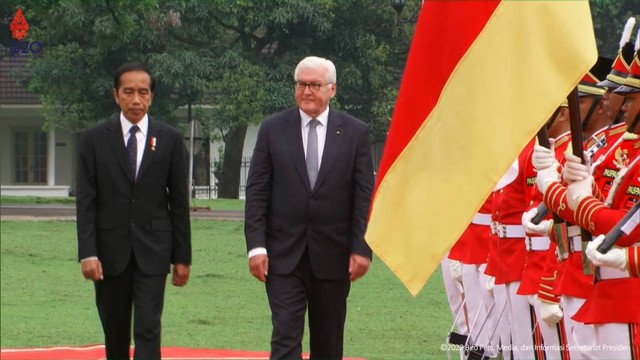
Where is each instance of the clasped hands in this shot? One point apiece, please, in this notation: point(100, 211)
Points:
point(575, 173)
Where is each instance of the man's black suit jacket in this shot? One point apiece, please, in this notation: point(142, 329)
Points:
point(117, 215)
point(284, 215)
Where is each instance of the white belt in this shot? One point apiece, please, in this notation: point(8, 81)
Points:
point(575, 244)
point(609, 273)
point(538, 243)
point(507, 231)
point(481, 219)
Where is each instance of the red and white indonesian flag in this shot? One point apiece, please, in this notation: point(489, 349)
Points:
point(481, 78)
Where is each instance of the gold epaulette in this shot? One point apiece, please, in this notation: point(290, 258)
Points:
point(617, 130)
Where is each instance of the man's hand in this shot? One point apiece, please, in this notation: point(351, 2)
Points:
point(551, 313)
point(574, 170)
point(490, 284)
point(544, 158)
point(455, 269)
point(259, 266)
point(180, 275)
point(92, 269)
point(578, 190)
point(543, 228)
point(358, 266)
point(546, 177)
point(614, 258)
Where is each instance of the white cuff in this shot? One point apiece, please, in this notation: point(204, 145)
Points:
point(257, 251)
point(89, 258)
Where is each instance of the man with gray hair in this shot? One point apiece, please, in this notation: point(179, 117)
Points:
point(308, 195)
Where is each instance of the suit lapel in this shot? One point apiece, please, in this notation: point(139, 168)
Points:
point(293, 136)
point(148, 154)
point(331, 146)
point(116, 139)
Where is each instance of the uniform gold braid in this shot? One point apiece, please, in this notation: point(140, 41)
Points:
point(552, 191)
point(585, 211)
point(546, 287)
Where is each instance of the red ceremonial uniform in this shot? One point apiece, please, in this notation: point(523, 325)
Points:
point(457, 250)
point(615, 296)
point(571, 278)
point(476, 237)
point(508, 205)
point(593, 215)
point(535, 244)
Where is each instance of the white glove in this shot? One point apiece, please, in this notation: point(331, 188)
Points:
point(532, 299)
point(490, 284)
point(579, 190)
point(543, 228)
point(574, 170)
point(455, 269)
point(546, 177)
point(551, 313)
point(543, 158)
point(614, 258)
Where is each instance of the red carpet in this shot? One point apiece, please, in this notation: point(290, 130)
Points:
point(96, 352)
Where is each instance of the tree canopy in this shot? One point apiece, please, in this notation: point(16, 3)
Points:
point(234, 56)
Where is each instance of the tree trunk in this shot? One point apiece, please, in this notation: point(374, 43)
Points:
point(202, 166)
point(229, 181)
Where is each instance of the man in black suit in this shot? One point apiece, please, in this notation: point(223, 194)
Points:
point(133, 216)
point(307, 203)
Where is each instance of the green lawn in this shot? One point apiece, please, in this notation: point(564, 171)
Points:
point(46, 302)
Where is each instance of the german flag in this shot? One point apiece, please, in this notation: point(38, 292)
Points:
point(481, 78)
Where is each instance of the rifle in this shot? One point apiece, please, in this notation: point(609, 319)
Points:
point(577, 147)
point(616, 232)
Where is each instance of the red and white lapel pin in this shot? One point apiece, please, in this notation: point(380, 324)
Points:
point(153, 143)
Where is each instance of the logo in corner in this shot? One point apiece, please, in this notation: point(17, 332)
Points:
point(19, 26)
point(21, 49)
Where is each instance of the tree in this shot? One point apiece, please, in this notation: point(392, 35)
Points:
point(237, 56)
point(265, 39)
point(609, 17)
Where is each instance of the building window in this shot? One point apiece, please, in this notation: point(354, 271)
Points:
point(30, 156)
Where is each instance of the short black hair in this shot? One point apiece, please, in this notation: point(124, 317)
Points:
point(133, 66)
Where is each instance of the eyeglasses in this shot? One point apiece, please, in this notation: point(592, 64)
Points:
point(301, 85)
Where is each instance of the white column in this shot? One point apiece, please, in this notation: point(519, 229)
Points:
point(51, 158)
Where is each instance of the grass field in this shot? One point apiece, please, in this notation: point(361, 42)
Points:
point(46, 302)
point(213, 204)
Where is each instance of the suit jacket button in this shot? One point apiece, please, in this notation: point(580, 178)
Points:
point(133, 200)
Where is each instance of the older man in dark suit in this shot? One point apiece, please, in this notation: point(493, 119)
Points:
point(308, 196)
point(133, 216)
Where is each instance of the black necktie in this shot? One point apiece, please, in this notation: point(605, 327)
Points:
point(132, 150)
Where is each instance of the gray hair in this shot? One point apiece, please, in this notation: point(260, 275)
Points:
point(314, 62)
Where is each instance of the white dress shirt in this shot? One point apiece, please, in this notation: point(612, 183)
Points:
point(141, 135)
point(321, 130)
